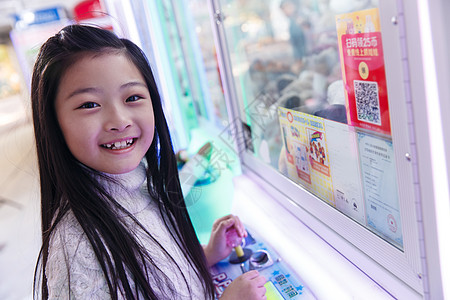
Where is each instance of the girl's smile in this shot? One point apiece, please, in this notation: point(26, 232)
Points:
point(124, 144)
point(105, 112)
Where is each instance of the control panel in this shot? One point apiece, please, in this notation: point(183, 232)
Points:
point(254, 254)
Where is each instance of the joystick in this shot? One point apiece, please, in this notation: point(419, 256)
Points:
point(240, 254)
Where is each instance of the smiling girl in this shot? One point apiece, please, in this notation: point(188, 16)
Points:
point(114, 221)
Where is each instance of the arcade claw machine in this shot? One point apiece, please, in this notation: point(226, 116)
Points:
point(337, 111)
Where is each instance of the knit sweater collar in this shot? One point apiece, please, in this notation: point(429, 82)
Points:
point(127, 188)
point(129, 182)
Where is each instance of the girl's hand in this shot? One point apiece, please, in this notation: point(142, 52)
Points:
point(248, 286)
point(217, 248)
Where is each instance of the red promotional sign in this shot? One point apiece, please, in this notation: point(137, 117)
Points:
point(368, 105)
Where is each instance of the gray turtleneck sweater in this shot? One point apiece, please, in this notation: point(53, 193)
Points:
point(71, 257)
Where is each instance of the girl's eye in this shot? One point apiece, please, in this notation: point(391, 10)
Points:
point(133, 98)
point(89, 105)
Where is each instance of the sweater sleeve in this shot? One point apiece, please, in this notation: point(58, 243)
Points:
point(72, 270)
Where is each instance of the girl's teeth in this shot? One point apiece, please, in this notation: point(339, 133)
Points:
point(119, 145)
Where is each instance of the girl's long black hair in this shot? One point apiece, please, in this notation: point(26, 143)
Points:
point(68, 185)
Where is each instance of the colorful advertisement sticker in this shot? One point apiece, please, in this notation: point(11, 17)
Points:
point(351, 169)
point(363, 70)
point(306, 153)
point(302, 162)
point(317, 153)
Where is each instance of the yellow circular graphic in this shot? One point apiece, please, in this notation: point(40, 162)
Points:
point(363, 70)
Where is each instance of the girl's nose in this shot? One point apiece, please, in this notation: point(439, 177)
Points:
point(117, 120)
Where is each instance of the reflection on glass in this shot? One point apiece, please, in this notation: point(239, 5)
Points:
point(311, 84)
point(213, 91)
point(188, 34)
point(188, 97)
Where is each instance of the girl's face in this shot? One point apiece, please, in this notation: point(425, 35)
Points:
point(105, 112)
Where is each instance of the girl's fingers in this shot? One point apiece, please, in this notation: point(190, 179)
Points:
point(220, 220)
point(224, 225)
point(254, 275)
point(250, 274)
point(260, 281)
point(240, 227)
point(225, 222)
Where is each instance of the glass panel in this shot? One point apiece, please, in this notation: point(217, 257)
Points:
point(185, 89)
point(203, 35)
point(189, 36)
point(311, 85)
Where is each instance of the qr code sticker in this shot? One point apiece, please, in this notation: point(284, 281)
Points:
point(367, 101)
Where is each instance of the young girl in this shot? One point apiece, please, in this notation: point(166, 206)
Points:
point(100, 135)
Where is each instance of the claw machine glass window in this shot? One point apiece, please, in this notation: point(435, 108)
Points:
point(187, 30)
point(317, 87)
